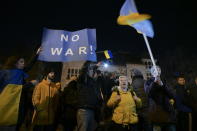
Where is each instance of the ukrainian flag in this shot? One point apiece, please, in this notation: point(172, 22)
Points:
point(10, 94)
point(108, 54)
point(130, 16)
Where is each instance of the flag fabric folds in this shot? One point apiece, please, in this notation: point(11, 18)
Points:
point(108, 54)
point(129, 16)
point(10, 94)
point(132, 18)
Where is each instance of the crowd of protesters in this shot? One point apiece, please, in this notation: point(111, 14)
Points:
point(93, 101)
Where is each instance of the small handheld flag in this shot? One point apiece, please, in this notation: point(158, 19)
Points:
point(108, 54)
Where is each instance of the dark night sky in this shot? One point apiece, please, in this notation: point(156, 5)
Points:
point(174, 21)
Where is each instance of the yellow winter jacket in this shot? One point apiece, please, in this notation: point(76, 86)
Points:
point(45, 101)
point(124, 111)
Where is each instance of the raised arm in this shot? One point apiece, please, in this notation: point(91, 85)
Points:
point(32, 61)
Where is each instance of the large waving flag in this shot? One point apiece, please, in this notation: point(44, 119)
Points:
point(10, 94)
point(130, 16)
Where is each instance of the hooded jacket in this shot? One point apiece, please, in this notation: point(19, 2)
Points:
point(45, 101)
point(124, 111)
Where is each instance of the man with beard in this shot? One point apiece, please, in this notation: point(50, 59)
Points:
point(45, 101)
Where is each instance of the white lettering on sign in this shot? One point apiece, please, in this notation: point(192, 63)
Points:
point(82, 50)
point(64, 38)
point(74, 38)
point(55, 51)
point(91, 49)
point(69, 52)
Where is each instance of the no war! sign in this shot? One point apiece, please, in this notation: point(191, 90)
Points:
point(65, 46)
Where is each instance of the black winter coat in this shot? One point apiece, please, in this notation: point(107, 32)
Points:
point(161, 111)
point(89, 96)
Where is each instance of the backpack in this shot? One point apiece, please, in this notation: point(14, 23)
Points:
point(107, 112)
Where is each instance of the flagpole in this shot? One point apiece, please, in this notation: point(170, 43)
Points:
point(128, 8)
point(150, 52)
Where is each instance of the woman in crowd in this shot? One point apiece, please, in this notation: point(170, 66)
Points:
point(12, 79)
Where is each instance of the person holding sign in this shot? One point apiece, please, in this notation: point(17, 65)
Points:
point(12, 81)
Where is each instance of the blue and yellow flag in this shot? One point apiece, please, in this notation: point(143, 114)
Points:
point(10, 94)
point(108, 54)
point(130, 16)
